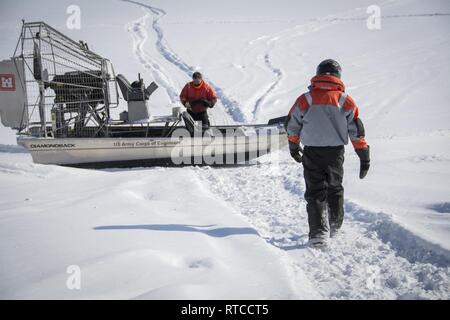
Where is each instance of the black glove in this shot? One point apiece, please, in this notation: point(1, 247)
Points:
point(296, 151)
point(364, 157)
point(196, 102)
point(208, 103)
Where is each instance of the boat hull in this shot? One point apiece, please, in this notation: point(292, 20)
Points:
point(133, 152)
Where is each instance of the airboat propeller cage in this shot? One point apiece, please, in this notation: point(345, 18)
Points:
point(55, 86)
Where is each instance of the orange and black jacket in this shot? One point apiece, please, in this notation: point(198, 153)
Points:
point(325, 116)
point(196, 95)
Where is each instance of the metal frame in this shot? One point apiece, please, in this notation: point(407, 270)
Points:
point(66, 80)
point(70, 89)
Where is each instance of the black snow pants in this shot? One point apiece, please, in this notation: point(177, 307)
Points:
point(200, 116)
point(323, 172)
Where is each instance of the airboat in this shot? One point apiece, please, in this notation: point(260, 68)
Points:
point(61, 98)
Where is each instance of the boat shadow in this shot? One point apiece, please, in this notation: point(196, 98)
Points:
point(205, 229)
point(208, 230)
point(11, 148)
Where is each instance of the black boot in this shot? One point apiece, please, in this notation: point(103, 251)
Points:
point(335, 211)
point(335, 195)
point(317, 219)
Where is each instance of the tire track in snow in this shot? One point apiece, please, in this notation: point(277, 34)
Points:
point(373, 257)
point(289, 33)
point(279, 75)
point(313, 25)
point(232, 107)
point(140, 36)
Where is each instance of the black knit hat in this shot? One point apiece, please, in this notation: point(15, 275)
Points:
point(197, 75)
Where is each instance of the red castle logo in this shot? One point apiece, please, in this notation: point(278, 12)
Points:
point(7, 82)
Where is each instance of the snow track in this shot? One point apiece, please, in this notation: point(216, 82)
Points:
point(279, 75)
point(373, 257)
point(267, 44)
point(231, 106)
point(139, 34)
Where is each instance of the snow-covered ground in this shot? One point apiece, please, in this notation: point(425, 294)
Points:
point(241, 232)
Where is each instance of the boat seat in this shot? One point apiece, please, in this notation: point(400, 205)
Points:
point(136, 95)
point(135, 91)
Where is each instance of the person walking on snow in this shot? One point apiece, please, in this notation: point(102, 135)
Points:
point(197, 96)
point(322, 119)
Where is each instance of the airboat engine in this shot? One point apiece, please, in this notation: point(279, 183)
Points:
point(136, 95)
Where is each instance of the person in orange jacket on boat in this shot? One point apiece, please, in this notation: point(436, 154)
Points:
point(197, 96)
